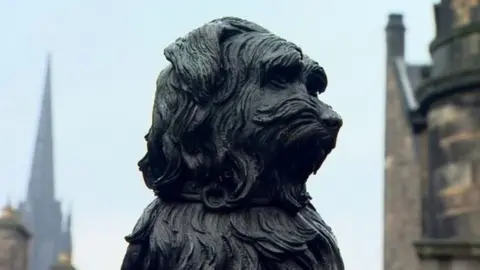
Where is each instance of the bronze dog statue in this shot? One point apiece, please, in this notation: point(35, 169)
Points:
point(237, 129)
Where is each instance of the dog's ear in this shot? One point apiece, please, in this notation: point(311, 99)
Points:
point(197, 58)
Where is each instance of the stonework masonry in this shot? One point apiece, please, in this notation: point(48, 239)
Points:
point(432, 145)
point(14, 241)
point(402, 193)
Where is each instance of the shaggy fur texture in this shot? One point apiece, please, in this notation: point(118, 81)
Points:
point(237, 129)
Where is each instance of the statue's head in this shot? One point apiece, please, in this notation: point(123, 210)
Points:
point(237, 119)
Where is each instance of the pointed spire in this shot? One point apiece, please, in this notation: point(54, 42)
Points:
point(69, 220)
point(9, 201)
point(68, 235)
point(66, 238)
point(41, 183)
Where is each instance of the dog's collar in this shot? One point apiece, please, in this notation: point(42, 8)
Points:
point(191, 193)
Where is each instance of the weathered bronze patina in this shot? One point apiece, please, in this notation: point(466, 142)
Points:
point(237, 129)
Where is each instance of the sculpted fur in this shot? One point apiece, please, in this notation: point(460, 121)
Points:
point(237, 129)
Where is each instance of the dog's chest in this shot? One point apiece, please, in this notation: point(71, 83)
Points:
point(236, 242)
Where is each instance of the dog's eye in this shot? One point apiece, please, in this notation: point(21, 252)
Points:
point(278, 80)
point(279, 76)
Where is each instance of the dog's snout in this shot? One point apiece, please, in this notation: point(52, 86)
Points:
point(331, 119)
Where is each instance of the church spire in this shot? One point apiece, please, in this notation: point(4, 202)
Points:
point(41, 183)
point(67, 235)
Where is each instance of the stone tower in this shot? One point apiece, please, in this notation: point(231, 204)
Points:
point(432, 157)
point(14, 241)
point(41, 211)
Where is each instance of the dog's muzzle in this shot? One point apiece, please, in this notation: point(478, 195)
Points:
point(331, 121)
point(300, 118)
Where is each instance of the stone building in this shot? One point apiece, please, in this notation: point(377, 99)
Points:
point(40, 213)
point(14, 241)
point(432, 145)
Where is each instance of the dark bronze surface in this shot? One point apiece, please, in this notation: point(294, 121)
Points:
point(237, 129)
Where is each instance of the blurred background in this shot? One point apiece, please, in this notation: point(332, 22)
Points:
point(95, 62)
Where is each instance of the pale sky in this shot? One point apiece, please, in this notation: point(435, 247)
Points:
point(106, 56)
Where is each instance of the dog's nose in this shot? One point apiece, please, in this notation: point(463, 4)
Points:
point(332, 120)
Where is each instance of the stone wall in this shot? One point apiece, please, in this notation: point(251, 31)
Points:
point(13, 250)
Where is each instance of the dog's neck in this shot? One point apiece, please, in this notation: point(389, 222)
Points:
point(290, 197)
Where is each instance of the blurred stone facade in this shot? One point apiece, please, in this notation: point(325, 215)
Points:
point(432, 145)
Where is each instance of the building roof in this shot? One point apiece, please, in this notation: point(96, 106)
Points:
point(10, 219)
point(408, 78)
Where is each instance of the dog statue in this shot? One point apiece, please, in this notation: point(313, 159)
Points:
point(237, 128)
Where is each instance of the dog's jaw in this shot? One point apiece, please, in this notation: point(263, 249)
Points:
point(304, 146)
